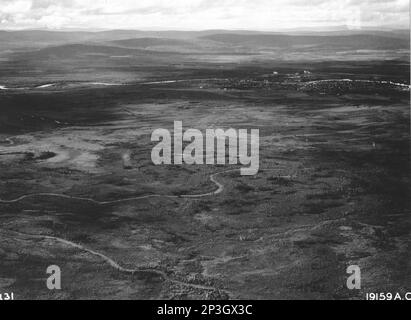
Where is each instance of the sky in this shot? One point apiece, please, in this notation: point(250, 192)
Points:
point(265, 15)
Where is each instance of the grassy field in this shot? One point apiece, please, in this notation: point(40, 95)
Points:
point(333, 189)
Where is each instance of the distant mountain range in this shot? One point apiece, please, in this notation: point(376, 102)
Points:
point(42, 36)
point(353, 41)
point(32, 45)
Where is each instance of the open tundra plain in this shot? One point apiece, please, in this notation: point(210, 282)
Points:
point(78, 188)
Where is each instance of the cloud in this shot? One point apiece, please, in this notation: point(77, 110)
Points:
point(202, 14)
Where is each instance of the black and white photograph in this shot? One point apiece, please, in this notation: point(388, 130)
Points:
point(204, 150)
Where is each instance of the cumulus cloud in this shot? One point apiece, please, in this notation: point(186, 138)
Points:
point(202, 14)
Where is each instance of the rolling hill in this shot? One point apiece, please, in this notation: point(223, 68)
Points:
point(354, 42)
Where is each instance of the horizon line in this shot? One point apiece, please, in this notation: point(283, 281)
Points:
point(309, 29)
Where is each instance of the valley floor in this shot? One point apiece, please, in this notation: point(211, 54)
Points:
point(332, 191)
